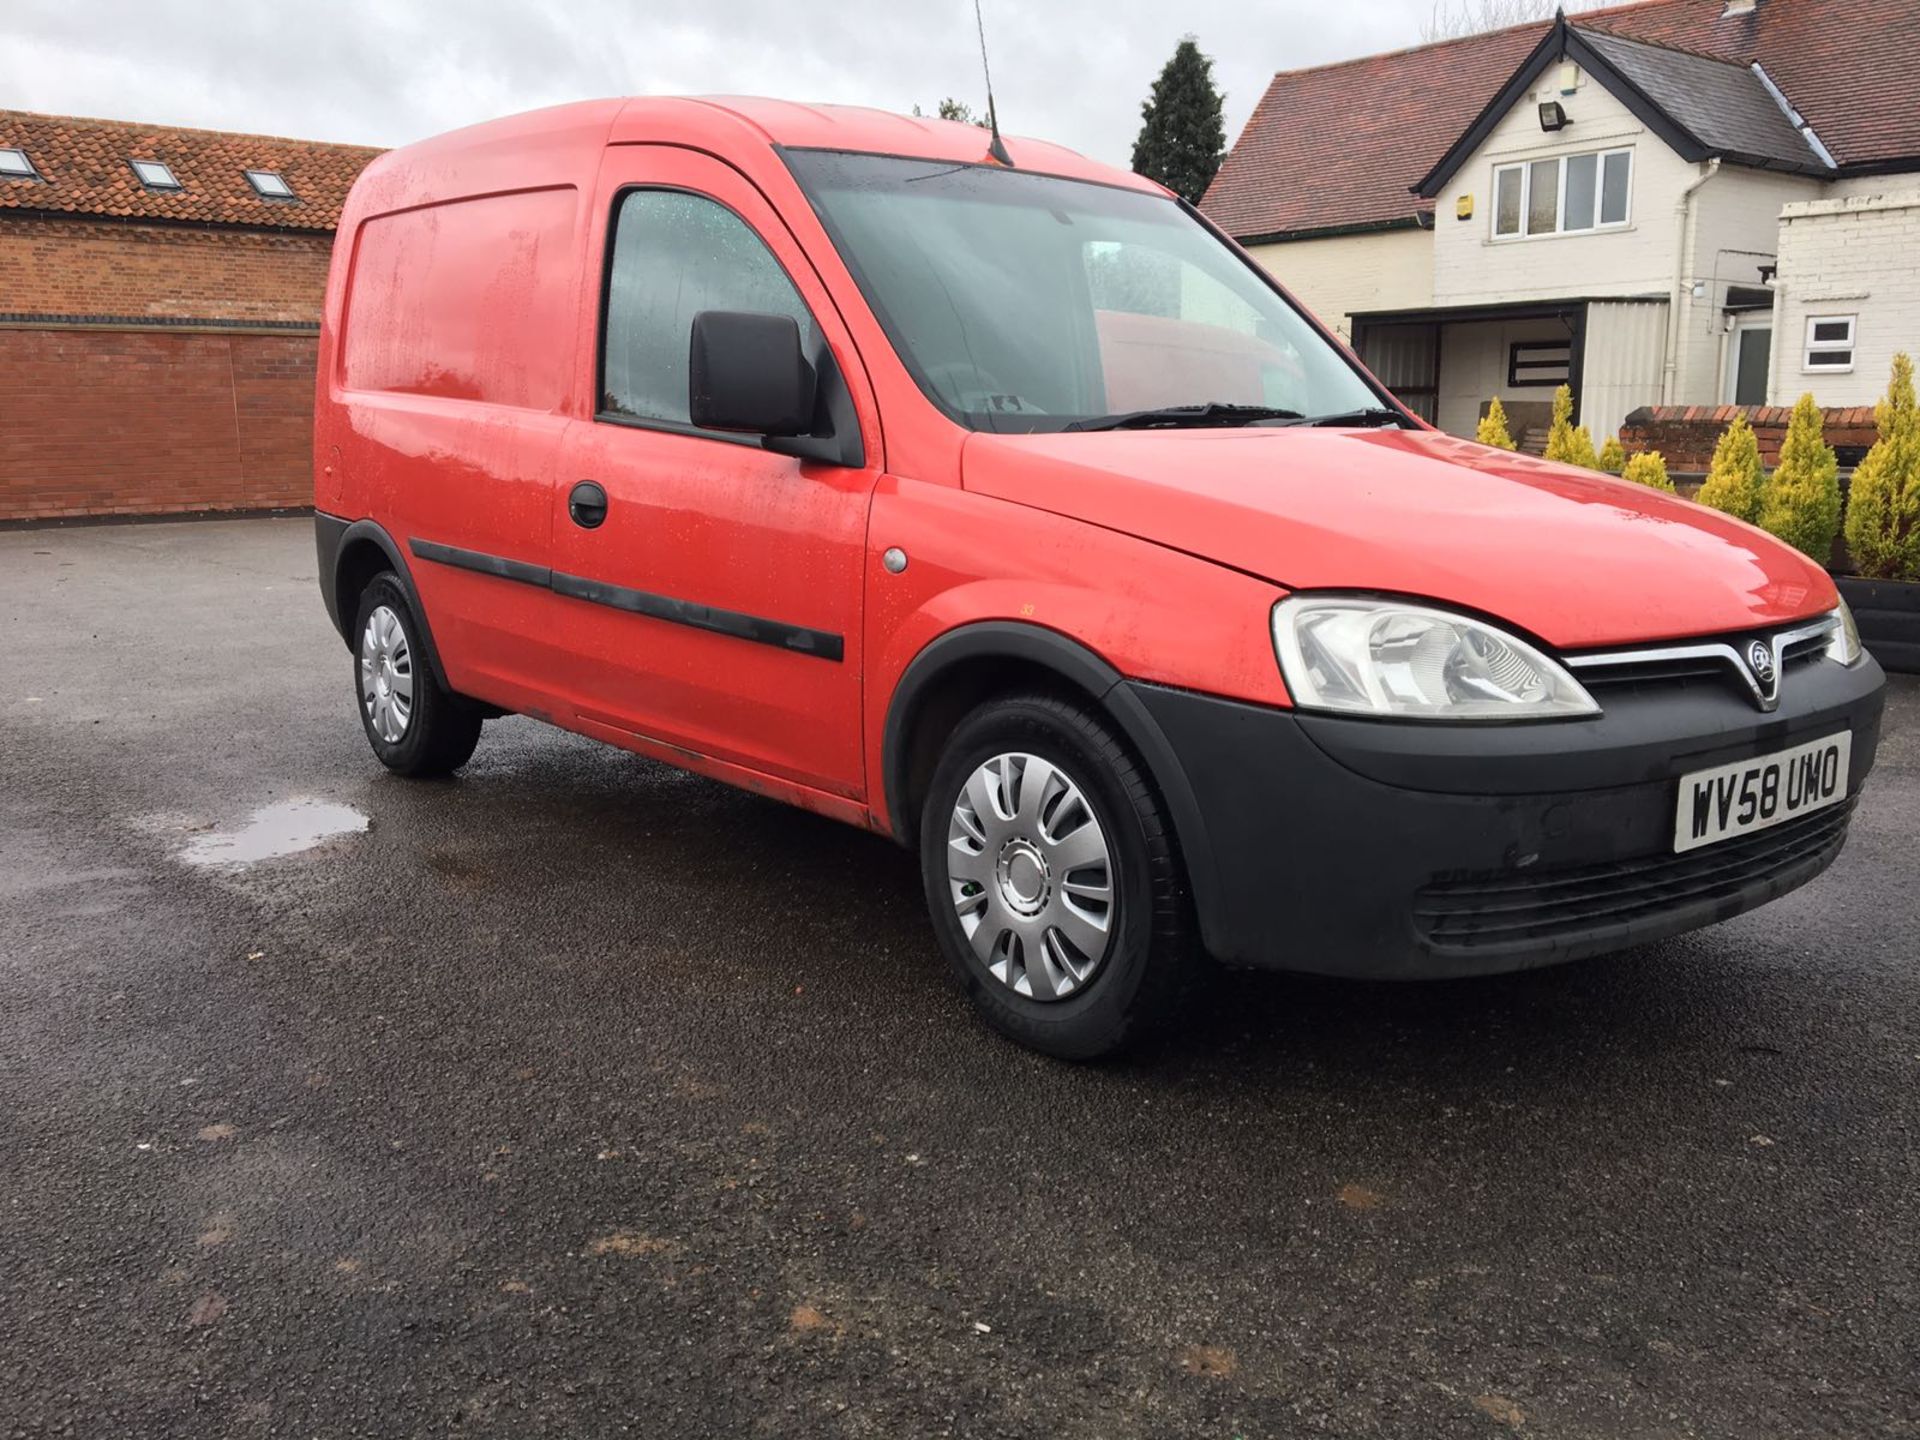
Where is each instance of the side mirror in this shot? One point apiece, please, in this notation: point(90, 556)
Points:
point(747, 372)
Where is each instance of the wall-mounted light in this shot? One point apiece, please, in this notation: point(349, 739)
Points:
point(1553, 115)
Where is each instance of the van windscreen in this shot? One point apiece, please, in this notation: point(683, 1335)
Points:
point(1024, 302)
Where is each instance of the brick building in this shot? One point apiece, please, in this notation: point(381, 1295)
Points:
point(160, 294)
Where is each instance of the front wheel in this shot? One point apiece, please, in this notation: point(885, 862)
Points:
point(1052, 878)
point(415, 725)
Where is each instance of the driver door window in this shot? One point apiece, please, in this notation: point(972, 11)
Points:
point(674, 255)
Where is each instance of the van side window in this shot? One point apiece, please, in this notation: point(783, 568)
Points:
point(674, 255)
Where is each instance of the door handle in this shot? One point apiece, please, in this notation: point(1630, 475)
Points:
point(587, 505)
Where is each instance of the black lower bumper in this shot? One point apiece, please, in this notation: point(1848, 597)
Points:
point(1394, 850)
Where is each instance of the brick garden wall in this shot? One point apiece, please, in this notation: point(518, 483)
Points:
point(117, 422)
point(1686, 434)
point(107, 418)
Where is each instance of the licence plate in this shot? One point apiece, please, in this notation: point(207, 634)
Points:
point(1751, 795)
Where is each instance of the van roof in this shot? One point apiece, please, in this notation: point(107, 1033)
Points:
point(881, 132)
point(564, 141)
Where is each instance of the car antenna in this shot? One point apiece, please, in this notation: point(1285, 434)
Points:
point(995, 147)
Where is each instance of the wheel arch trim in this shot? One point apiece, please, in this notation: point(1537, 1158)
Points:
point(335, 538)
point(1085, 670)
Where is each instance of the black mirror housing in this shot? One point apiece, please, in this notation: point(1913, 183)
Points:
point(747, 372)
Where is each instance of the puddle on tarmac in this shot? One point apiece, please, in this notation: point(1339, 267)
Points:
point(276, 830)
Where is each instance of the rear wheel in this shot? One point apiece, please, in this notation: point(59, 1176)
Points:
point(416, 726)
point(1052, 880)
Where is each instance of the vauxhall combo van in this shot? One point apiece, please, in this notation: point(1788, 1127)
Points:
point(991, 499)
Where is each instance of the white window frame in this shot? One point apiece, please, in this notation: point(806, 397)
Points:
point(32, 172)
point(1810, 356)
point(1525, 167)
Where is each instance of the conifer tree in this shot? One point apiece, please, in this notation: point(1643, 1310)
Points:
point(1735, 480)
point(1801, 501)
point(1649, 468)
point(1568, 443)
point(1492, 429)
point(1182, 135)
point(1883, 502)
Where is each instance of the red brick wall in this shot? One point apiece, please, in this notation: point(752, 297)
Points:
point(1686, 434)
point(117, 422)
point(70, 267)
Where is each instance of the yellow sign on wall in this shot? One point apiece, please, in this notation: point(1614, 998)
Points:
point(1463, 208)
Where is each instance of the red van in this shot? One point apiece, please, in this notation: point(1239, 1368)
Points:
point(1008, 509)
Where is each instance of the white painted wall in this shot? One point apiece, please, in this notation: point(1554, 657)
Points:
point(1471, 267)
point(1736, 229)
point(1848, 256)
point(1473, 368)
point(1344, 275)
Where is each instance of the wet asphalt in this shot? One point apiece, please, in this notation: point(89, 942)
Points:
point(580, 1097)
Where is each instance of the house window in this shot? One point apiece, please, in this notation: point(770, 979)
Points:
point(154, 175)
point(1539, 362)
point(1829, 342)
point(1567, 194)
point(14, 165)
point(269, 185)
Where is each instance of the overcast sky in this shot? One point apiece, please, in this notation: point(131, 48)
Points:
point(384, 72)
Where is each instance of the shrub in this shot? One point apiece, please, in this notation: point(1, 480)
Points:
point(1492, 429)
point(1735, 480)
point(1648, 468)
point(1613, 456)
point(1801, 502)
point(1568, 443)
point(1883, 506)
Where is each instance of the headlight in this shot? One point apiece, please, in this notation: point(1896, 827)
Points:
point(1844, 644)
point(1364, 656)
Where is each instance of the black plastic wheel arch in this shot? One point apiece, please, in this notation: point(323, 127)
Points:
point(1085, 671)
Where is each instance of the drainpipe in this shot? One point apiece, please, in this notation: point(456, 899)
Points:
point(1684, 213)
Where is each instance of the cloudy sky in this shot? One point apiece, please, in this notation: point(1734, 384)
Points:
point(384, 72)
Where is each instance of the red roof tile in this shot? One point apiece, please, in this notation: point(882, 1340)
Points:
point(1338, 146)
point(84, 171)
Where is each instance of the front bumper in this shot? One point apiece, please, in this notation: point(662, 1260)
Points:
point(1397, 850)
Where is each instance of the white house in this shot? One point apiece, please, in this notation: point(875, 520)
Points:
point(1684, 202)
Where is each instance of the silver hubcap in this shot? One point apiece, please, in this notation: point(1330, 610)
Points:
point(1031, 876)
point(386, 675)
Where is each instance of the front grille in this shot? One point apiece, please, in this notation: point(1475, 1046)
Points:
point(1661, 669)
point(1505, 908)
point(1714, 662)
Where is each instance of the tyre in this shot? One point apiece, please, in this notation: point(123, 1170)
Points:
point(1053, 881)
point(415, 726)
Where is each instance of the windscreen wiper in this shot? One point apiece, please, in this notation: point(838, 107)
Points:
point(1174, 417)
point(1371, 415)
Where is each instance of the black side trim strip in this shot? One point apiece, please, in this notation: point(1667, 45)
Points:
point(822, 643)
point(798, 638)
point(495, 565)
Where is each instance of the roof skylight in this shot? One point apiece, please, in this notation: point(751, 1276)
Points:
point(155, 175)
point(270, 184)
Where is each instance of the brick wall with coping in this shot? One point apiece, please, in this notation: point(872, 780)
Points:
point(1686, 434)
